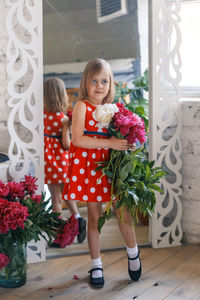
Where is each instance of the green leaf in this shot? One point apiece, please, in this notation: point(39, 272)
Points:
point(151, 163)
point(119, 203)
point(158, 175)
point(109, 173)
point(101, 222)
point(99, 168)
point(139, 110)
point(136, 152)
point(134, 196)
point(106, 216)
point(124, 171)
point(155, 187)
point(148, 172)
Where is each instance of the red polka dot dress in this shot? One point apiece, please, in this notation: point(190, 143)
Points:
point(55, 157)
point(83, 182)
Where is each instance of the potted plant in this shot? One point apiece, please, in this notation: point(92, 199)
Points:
point(26, 216)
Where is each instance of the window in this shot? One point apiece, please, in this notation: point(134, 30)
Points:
point(110, 9)
point(190, 47)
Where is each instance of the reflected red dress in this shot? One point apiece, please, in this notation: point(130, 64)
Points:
point(55, 156)
point(83, 182)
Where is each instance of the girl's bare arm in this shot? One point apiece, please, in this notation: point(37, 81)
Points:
point(83, 141)
point(65, 134)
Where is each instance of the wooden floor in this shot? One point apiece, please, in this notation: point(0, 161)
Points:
point(171, 274)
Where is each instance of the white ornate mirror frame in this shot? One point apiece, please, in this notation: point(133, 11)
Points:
point(166, 118)
point(25, 88)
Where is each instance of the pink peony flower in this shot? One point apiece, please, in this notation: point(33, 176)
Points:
point(130, 125)
point(15, 190)
point(4, 260)
point(4, 191)
point(12, 214)
point(68, 234)
point(136, 134)
point(36, 198)
point(29, 184)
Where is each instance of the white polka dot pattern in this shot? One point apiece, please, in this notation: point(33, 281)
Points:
point(91, 123)
point(74, 178)
point(73, 196)
point(99, 198)
point(55, 157)
point(76, 161)
point(92, 190)
point(83, 181)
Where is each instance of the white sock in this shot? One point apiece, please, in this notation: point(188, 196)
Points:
point(96, 263)
point(134, 264)
point(77, 216)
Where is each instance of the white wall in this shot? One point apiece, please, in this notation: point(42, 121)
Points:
point(191, 170)
point(4, 111)
point(143, 32)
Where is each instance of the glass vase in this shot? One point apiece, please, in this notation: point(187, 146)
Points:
point(14, 274)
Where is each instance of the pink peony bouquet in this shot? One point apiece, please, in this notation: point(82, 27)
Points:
point(120, 122)
point(126, 124)
point(26, 216)
point(68, 233)
point(134, 180)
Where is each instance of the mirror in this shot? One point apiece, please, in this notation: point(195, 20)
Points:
point(72, 35)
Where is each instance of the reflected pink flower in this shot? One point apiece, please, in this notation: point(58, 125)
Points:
point(4, 260)
point(68, 233)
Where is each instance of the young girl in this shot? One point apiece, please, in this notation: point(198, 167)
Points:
point(90, 145)
point(56, 145)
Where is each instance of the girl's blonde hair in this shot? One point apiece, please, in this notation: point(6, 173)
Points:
point(55, 95)
point(93, 67)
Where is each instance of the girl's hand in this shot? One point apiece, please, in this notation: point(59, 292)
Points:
point(131, 147)
point(65, 136)
point(65, 120)
point(119, 144)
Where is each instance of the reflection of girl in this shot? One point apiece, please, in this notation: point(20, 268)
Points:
point(89, 146)
point(56, 144)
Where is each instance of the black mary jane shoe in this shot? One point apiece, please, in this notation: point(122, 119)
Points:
point(134, 275)
point(82, 230)
point(96, 282)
